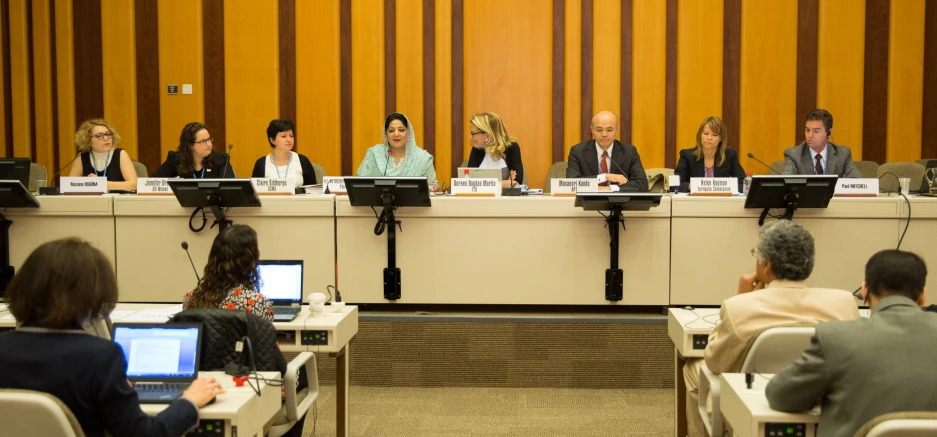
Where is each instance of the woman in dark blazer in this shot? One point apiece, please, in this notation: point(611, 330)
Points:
point(494, 148)
point(283, 162)
point(711, 158)
point(194, 157)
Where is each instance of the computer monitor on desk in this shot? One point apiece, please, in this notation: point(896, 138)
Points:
point(13, 194)
point(215, 194)
point(15, 169)
point(790, 193)
point(384, 191)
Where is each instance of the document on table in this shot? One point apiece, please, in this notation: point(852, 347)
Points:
point(155, 314)
point(120, 314)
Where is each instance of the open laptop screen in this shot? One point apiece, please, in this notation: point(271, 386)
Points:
point(282, 280)
point(159, 351)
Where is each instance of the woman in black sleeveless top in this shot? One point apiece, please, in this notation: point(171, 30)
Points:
point(97, 142)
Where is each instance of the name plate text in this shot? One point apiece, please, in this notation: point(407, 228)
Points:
point(714, 186)
point(476, 186)
point(154, 186)
point(283, 186)
point(83, 184)
point(863, 187)
point(334, 185)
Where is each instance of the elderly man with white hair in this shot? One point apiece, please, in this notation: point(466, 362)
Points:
point(776, 294)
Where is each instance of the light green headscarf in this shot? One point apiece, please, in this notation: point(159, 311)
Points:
point(416, 161)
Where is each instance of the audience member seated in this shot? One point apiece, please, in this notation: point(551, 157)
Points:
point(858, 370)
point(604, 155)
point(194, 157)
point(398, 155)
point(492, 147)
point(231, 279)
point(283, 162)
point(61, 285)
point(711, 158)
point(817, 155)
point(97, 142)
point(774, 295)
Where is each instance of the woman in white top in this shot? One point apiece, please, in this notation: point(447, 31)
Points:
point(494, 148)
point(284, 162)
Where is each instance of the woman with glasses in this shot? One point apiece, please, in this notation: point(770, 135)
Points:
point(398, 155)
point(97, 143)
point(493, 148)
point(194, 158)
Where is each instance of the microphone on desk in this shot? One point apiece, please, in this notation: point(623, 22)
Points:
point(386, 161)
point(185, 246)
point(54, 191)
point(766, 165)
point(227, 161)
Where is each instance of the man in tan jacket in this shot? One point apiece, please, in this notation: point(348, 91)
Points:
point(774, 295)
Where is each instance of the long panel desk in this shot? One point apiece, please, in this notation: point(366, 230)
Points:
point(747, 411)
point(504, 250)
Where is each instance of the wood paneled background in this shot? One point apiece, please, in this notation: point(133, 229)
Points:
point(336, 67)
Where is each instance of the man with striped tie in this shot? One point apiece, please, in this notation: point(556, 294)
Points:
point(604, 155)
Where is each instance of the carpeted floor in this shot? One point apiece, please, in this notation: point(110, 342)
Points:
point(473, 411)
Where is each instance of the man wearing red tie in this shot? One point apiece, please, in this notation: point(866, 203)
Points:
point(607, 158)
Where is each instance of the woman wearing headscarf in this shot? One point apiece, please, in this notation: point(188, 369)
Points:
point(398, 155)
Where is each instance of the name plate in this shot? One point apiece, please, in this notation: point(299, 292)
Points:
point(83, 184)
point(486, 187)
point(713, 186)
point(153, 187)
point(571, 186)
point(281, 186)
point(334, 185)
point(863, 187)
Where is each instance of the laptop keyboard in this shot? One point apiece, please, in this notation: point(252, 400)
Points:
point(285, 310)
point(160, 388)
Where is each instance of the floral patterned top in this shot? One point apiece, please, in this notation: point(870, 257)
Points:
point(243, 299)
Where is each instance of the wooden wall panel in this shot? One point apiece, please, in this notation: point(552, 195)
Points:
point(409, 84)
point(443, 67)
point(699, 72)
point(367, 78)
point(19, 78)
point(318, 84)
point(65, 82)
point(572, 78)
point(905, 80)
point(606, 58)
point(768, 76)
point(493, 57)
point(252, 78)
point(4, 78)
point(648, 81)
point(840, 61)
point(118, 48)
point(180, 62)
point(43, 115)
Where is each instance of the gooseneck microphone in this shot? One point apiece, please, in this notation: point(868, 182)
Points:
point(227, 161)
point(185, 246)
point(766, 165)
point(386, 160)
point(616, 166)
point(54, 191)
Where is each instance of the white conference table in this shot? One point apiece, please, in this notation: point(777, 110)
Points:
point(747, 410)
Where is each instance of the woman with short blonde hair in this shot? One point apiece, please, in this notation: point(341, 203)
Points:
point(711, 157)
point(494, 148)
point(97, 141)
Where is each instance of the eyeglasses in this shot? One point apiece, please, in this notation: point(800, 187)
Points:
point(476, 133)
point(203, 142)
point(104, 135)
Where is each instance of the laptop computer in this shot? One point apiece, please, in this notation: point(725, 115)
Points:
point(162, 360)
point(480, 173)
point(282, 286)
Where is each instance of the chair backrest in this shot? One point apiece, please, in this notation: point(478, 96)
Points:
point(557, 170)
point(778, 166)
point(904, 424)
point(911, 170)
point(37, 172)
point(141, 170)
point(27, 412)
point(868, 169)
point(924, 161)
point(222, 329)
point(320, 171)
point(776, 348)
point(658, 179)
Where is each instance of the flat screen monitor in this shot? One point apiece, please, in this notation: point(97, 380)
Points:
point(13, 194)
point(807, 191)
point(15, 169)
point(627, 201)
point(204, 193)
point(404, 191)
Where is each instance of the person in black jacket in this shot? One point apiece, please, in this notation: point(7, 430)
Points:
point(97, 142)
point(283, 162)
point(61, 285)
point(604, 155)
point(493, 148)
point(711, 158)
point(194, 157)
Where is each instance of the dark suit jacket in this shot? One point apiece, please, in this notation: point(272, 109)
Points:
point(512, 157)
point(863, 368)
point(89, 375)
point(583, 163)
point(689, 167)
point(218, 161)
point(309, 173)
point(797, 160)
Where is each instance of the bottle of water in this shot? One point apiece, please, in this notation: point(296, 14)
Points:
point(746, 183)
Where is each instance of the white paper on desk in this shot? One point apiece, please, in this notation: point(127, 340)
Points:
point(120, 314)
point(8, 317)
point(157, 314)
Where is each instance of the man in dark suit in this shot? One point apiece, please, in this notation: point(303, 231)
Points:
point(860, 369)
point(816, 155)
point(604, 155)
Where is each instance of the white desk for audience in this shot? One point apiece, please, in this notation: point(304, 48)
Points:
point(748, 412)
point(237, 412)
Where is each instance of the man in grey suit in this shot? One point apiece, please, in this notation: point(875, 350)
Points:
point(604, 155)
point(864, 368)
point(816, 155)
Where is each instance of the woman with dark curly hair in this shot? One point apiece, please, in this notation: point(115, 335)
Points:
point(231, 279)
point(194, 157)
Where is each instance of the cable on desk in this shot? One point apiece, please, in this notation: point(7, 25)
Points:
point(907, 223)
point(699, 318)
